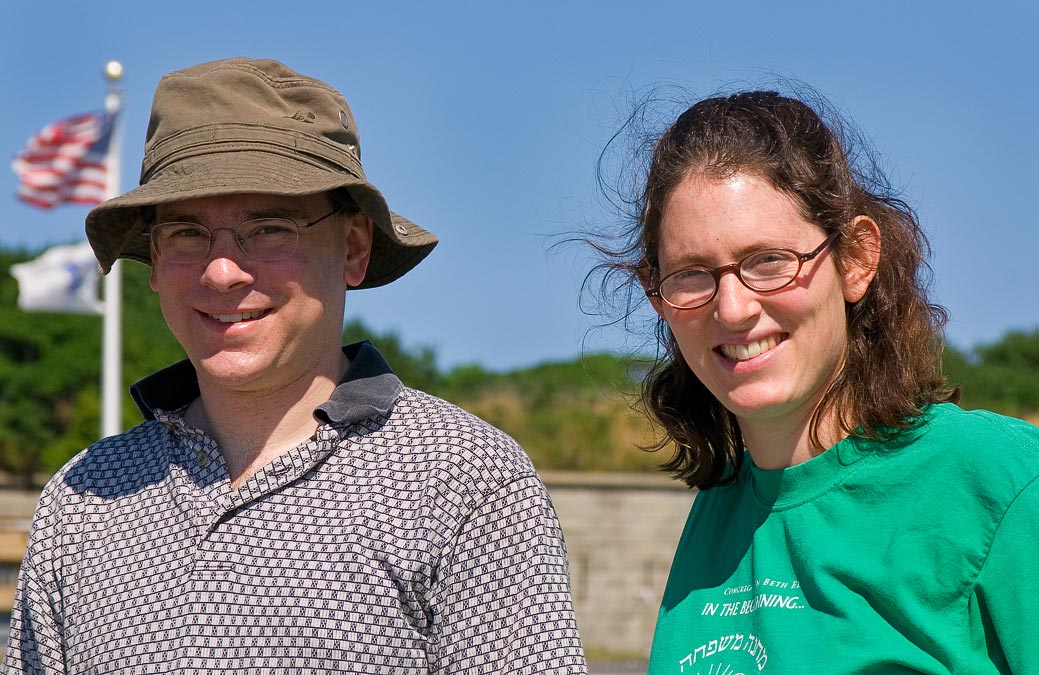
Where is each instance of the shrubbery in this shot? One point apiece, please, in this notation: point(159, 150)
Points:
point(572, 415)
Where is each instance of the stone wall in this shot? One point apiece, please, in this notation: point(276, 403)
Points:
point(621, 532)
point(16, 509)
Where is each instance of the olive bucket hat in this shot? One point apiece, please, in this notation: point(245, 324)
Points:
point(251, 126)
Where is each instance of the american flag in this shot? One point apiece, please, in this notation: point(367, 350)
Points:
point(65, 162)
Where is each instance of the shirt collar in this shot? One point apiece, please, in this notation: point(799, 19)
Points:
point(368, 388)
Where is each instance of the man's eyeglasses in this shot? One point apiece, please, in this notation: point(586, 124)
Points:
point(265, 239)
point(761, 271)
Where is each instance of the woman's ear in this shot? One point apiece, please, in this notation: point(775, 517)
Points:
point(862, 256)
point(647, 277)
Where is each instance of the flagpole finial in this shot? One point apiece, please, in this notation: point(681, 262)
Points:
point(113, 71)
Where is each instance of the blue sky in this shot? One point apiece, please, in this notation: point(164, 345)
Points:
point(483, 123)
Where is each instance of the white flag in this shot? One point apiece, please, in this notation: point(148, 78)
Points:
point(63, 279)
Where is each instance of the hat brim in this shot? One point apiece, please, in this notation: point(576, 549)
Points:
point(118, 227)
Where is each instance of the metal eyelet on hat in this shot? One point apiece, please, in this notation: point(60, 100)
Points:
point(344, 119)
point(401, 229)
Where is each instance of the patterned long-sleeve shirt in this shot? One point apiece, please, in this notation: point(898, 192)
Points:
point(406, 536)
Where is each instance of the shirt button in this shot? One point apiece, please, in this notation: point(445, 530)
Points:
point(202, 458)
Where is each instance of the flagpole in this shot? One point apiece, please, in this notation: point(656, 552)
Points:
point(112, 347)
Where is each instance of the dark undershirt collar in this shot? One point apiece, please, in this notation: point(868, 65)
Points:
point(368, 388)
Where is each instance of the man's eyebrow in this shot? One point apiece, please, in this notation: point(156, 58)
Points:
point(187, 216)
point(291, 212)
point(171, 216)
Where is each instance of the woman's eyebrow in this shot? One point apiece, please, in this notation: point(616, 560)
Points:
point(696, 259)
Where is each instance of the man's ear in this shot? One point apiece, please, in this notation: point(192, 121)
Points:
point(153, 281)
point(862, 256)
point(358, 248)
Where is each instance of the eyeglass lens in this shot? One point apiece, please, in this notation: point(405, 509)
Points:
point(264, 239)
point(763, 271)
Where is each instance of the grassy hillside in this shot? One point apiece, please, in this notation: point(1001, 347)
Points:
point(571, 415)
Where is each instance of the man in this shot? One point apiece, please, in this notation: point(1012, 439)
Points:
point(287, 505)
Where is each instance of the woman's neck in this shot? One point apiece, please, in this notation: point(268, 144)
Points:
point(787, 441)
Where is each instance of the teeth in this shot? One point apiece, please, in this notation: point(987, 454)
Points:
point(236, 317)
point(749, 351)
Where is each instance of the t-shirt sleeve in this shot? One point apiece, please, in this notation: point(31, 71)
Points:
point(502, 599)
point(1008, 586)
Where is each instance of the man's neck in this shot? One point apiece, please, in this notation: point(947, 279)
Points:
point(254, 427)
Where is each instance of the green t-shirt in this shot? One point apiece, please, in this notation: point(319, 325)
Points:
point(920, 554)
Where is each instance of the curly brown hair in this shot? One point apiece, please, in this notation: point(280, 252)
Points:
point(891, 368)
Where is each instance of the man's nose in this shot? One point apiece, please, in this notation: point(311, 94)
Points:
point(227, 265)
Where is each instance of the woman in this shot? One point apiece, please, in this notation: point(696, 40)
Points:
point(850, 519)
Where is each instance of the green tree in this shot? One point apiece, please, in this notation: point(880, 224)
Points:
point(44, 360)
point(50, 371)
point(567, 415)
point(1001, 376)
point(416, 368)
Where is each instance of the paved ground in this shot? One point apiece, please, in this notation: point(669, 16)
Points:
point(617, 669)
